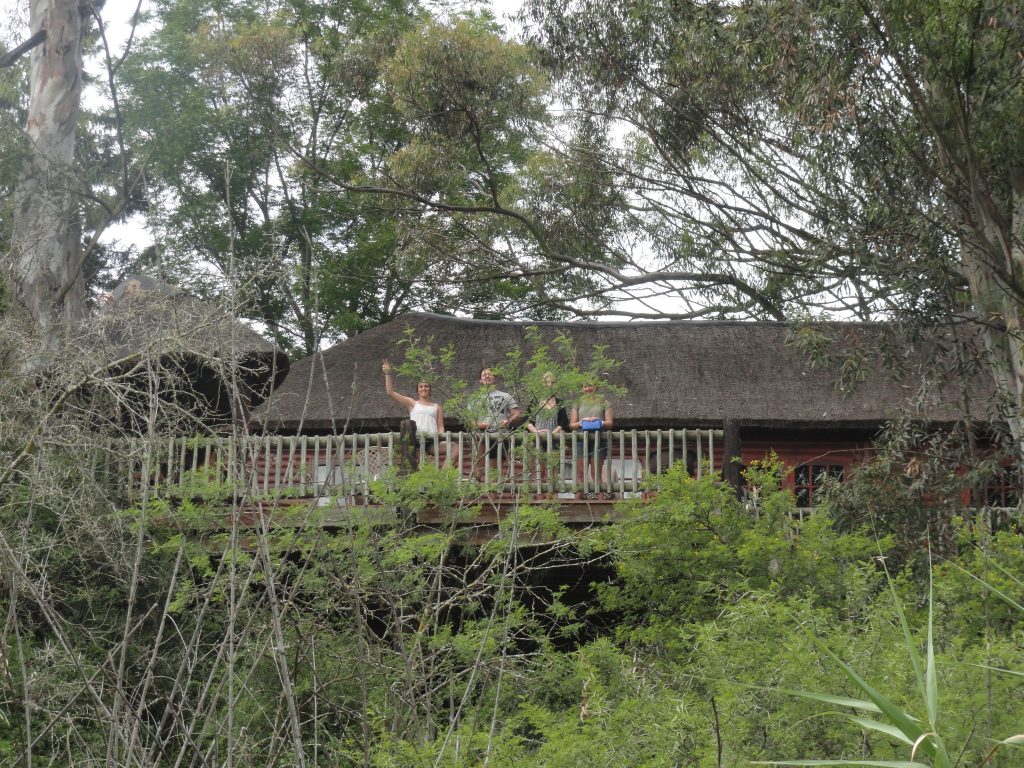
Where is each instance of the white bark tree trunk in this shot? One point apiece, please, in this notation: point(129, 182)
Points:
point(1015, 329)
point(45, 278)
point(993, 261)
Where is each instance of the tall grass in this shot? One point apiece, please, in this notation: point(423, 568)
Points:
point(920, 732)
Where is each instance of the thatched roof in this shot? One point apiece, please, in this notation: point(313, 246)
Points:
point(145, 319)
point(676, 374)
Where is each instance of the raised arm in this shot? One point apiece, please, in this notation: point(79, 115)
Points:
point(389, 387)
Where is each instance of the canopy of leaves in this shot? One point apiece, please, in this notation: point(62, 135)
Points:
point(341, 165)
point(828, 156)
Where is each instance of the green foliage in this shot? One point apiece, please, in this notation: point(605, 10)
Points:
point(712, 637)
point(298, 148)
point(968, 589)
point(799, 159)
point(684, 554)
point(691, 628)
point(521, 372)
point(473, 100)
point(934, 730)
point(781, 156)
point(237, 107)
point(611, 714)
point(913, 490)
point(13, 98)
point(675, 555)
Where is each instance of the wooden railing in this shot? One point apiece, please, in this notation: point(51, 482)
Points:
point(342, 468)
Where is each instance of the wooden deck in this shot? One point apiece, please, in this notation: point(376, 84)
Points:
point(260, 482)
point(329, 481)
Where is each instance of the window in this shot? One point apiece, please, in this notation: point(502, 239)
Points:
point(808, 480)
point(1003, 490)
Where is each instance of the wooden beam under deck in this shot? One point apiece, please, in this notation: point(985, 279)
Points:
point(296, 514)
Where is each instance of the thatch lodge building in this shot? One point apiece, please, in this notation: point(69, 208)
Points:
point(207, 369)
point(700, 390)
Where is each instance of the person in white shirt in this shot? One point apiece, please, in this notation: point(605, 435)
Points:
point(425, 413)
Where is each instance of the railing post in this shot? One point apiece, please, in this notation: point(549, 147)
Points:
point(549, 466)
point(560, 486)
point(731, 452)
point(635, 462)
point(672, 447)
point(700, 453)
point(657, 447)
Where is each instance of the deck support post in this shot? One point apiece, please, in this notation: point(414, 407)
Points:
point(731, 466)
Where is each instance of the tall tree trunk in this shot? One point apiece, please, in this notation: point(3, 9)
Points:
point(45, 269)
point(1016, 328)
point(993, 262)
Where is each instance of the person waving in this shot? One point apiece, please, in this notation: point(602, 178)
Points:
point(424, 412)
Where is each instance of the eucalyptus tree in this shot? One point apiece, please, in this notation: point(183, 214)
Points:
point(357, 161)
point(13, 104)
point(232, 99)
point(525, 225)
point(66, 174)
point(45, 236)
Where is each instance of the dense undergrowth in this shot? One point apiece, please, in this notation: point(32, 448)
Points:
point(675, 635)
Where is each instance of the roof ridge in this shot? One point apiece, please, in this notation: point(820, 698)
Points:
point(625, 323)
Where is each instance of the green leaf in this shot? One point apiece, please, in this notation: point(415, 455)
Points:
point(873, 725)
point(1002, 596)
point(915, 657)
point(1013, 672)
point(931, 684)
point(1004, 570)
point(839, 701)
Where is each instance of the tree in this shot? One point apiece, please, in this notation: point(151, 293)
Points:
point(67, 169)
point(277, 133)
point(234, 99)
point(789, 157)
point(45, 274)
point(13, 105)
point(527, 227)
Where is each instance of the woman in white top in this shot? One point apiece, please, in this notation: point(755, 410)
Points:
point(427, 415)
